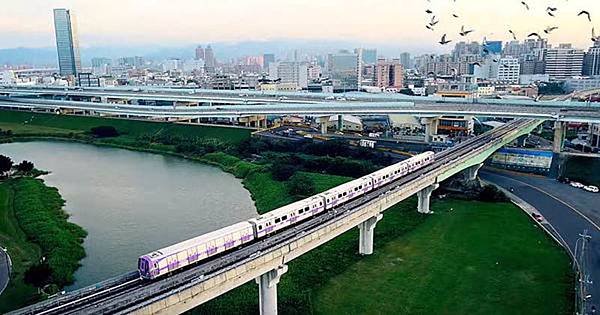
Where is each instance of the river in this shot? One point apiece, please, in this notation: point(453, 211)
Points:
point(131, 203)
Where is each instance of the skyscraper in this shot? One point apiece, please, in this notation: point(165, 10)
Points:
point(67, 42)
point(267, 60)
point(200, 53)
point(209, 59)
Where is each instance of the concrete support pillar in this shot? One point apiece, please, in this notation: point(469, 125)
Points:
point(522, 140)
point(559, 136)
point(430, 129)
point(367, 231)
point(263, 123)
point(424, 197)
point(267, 290)
point(340, 123)
point(473, 171)
point(324, 127)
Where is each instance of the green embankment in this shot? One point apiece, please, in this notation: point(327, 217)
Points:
point(34, 225)
point(49, 125)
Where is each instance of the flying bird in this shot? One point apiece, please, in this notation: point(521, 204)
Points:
point(464, 32)
point(584, 12)
point(513, 34)
point(454, 15)
point(549, 29)
point(525, 4)
point(535, 35)
point(428, 11)
point(444, 41)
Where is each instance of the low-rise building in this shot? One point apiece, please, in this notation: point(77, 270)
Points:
point(348, 123)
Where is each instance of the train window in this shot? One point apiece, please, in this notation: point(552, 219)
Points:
point(321, 203)
point(300, 211)
point(360, 187)
point(340, 196)
point(284, 218)
point(328, 200)
point(345, 193)
point(277, 220)
point(306, 209)
point(260, 227)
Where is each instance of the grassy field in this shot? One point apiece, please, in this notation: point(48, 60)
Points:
point(39, 124)
point(586, 170)
point(34, 224)
point(479, 258)
point(23, 253)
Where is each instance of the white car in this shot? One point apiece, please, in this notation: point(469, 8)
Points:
point(577, 185)
point(592, 189)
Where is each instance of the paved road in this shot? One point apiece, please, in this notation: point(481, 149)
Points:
point(569, 210)
point(4, 270)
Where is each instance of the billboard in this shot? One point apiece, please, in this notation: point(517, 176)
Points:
point(523, 159)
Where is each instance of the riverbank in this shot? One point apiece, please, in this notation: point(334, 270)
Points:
point(310, 278)
point(33, 226)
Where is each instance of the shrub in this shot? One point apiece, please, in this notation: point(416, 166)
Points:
point(300, 185)
point(283, 171)
point(490, 193)
point(105, 131)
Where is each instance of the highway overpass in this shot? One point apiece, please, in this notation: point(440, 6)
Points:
point(266, 261)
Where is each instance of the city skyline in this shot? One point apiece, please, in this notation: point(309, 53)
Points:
point(387, 23)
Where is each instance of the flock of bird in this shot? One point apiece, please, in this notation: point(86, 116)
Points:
point(550, 11)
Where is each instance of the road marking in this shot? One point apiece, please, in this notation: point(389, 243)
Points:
point(555, 198)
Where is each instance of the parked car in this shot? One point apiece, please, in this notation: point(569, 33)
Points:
point(577, 184)
point(592, 189)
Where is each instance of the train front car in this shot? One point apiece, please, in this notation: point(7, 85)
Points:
point(177, 256)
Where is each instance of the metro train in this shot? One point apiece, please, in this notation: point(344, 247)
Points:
point(192, 251)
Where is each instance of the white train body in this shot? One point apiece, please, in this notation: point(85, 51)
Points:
point(166, 260)
point(285, 216)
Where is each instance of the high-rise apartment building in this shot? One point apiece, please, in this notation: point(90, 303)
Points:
point(591, 64)
point(509, 70)
point(563, 62)
point(67, 42)
point(406, 60)
point(389, 74)
point(290, 72)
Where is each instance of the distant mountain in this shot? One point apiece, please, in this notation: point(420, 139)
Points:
point(31, 56)
point(223, 50)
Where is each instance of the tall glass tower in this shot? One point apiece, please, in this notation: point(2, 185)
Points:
point(67, 42)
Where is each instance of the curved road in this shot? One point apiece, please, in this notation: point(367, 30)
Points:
point(569, 210)
point(4, 270)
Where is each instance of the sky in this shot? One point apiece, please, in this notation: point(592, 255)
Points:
point(28, 23)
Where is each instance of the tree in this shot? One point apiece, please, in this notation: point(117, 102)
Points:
point(282, 171)
point(5, 164)
point(38, 275)
point(25, 167)
point(104, 131)
point(300, 185)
